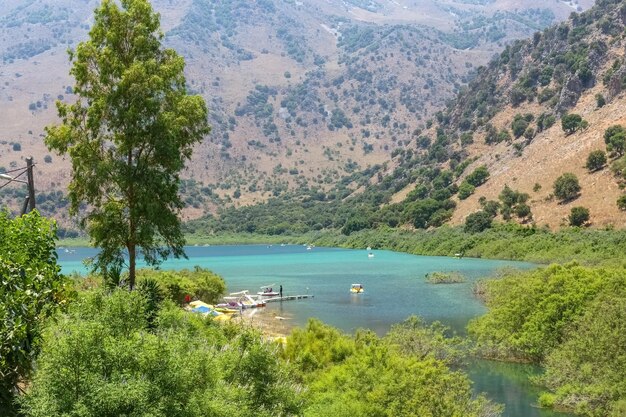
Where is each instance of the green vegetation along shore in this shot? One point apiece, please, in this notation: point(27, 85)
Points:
point(504, 241)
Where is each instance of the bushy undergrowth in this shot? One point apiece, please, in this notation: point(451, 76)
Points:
point(109, 355)
point(569, 318)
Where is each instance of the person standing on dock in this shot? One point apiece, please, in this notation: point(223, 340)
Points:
point(281, 291)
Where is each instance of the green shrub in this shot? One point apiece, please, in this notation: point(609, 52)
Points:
point(444, 278)
point(530, 312)
point(478, 177)
point(578, 216)
point(103, 359)
point(566, 187)
point(477, 222)
point(621, 202)
point(596, 160)
point(615, 139)
point(32, 290)
point(199, 284)
point(465, 190)
point(519, 125)
point(573, 122)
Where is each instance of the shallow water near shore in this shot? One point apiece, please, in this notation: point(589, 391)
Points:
point(395, 288)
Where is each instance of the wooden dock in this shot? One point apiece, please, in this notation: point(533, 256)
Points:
point(287, 298)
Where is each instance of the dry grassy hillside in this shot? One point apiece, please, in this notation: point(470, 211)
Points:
point(301, 93)
point(572, 68)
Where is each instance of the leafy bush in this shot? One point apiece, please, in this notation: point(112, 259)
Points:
point(444, 278)
point(621, 202)
point(570, 123)
point(32, 290)
point(354, 224)
point(519, 125)
point(465, 190)
point(600, 100)
point(530, 312)
point(405, 373)
point(478, 177)
point(587, 373)
point(103, 359)
point(566, 187)
point(578, 216)
point(596, 160)
point(615, 139)
point(478, 222)
point(198, 284)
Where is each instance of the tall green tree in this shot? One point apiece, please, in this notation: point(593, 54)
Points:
point(129, 135)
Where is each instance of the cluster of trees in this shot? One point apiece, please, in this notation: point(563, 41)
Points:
point(570, 318)
point(118, 354)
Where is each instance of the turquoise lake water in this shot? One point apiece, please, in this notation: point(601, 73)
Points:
point(395, 288)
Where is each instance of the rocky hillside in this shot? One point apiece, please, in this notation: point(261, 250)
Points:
point(537, 137)
point(517, 108)
point(301, 93)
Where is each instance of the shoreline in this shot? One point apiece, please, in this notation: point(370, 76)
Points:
point(270, 324)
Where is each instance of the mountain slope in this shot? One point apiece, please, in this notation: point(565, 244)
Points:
point(300, 94)
point(565, 69)
point(498, 148)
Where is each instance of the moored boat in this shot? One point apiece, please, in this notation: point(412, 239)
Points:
point(357, 289)
point(268, 291)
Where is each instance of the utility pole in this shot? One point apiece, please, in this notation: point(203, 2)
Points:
point(31, 186)
point(29, 202)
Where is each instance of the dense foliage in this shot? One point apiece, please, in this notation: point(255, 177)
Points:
point(566, 187)
point(403, 374)
point(572, 319)
point(31, 290)
point(103, 359)
point(198, 284)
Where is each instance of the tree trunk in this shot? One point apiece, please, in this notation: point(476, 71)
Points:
point(132, 260)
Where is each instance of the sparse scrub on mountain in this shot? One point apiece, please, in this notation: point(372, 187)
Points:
point(465, 190)
point(478, 177)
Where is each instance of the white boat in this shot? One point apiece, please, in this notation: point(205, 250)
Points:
point(244, 300)
point(369, 248)
point(370, 255)
point(357, 289)
point(267, 291)
point(309, 247)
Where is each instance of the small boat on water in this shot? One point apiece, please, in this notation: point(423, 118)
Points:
point(370, 255)
point(267, 291)
point(369, 248)
point(309, 247)
point(357, 289)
